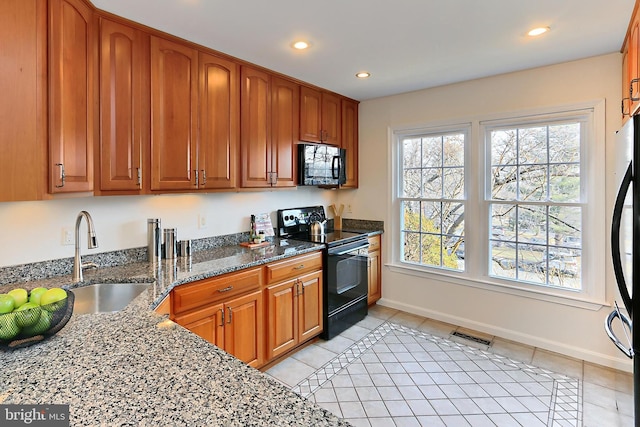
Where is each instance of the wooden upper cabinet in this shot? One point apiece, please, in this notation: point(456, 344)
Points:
point(174, 103)
point(285, 113)
point(72, 93)
point(310, 114)
point(123, 106)
point(331, 118)
point(23, 134)
point(320, 116)
point(219, 113)
point(350, 141)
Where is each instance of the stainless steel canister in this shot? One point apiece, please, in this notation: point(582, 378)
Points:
point(154, 239)
point(185, 248)
point(170, 243)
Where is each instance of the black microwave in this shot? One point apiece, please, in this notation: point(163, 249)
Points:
point(321, 165)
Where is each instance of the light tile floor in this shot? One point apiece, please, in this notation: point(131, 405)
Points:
point(395, 368)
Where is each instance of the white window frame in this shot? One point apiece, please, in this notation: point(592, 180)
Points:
point(477, 160)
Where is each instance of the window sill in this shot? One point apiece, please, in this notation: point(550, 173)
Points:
point(573, 299)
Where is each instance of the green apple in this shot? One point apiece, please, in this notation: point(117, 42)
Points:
point(52, 296)
point(42, 325)
point(27, 314)
point(19, 295)
point(8, 327)
point(36, 294)
point(7, 303)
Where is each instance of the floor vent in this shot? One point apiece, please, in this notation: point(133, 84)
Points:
point(472, 338)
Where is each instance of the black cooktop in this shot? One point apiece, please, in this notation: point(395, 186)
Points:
point(294, 224)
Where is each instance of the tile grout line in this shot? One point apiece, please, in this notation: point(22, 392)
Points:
point(322, 375)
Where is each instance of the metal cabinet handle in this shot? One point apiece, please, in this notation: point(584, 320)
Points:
point(300, 267)
point(631, 90)
point(230, 315)
point(62, 175)
point(221, 317)
point(627, 113)
point(196, 176)
point(204, 177)
point(228, 288)
point(139, 173)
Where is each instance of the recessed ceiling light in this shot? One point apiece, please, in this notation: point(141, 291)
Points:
point(363, 75)
point(538, 31)
point(301, 45)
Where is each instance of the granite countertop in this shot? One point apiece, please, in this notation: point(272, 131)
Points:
point(135, 367)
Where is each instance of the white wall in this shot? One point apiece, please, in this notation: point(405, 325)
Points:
point(573, 331)
point(32, 231)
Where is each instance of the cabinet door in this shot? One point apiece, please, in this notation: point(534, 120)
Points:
point(331, 118)
point(282, 318)
point(174, 102)
point(244, 329)
point(122, 53)
point(626, 103)
point(219, 113)
point(350, 141)
point(310, 114)
point(255, 122)
point(633, 59)
point(23, 134)
point(285, 112)
point(310, 306)
point(375, 290)
point(208, 323)
point(72, 87)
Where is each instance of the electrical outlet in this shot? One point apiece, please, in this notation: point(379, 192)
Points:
point(202, 221)
point(349, 210)
point(67, 236)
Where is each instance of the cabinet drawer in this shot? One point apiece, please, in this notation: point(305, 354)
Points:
point(294, 267)
point(207, 291)
point(374, 243)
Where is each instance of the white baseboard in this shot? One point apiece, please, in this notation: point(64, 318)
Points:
point(509, 334)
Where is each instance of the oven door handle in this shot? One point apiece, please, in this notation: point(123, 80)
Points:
point(350, 249)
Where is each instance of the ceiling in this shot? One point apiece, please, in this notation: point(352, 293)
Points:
point(405, 44)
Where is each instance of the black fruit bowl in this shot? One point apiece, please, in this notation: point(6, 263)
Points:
point(59, 314)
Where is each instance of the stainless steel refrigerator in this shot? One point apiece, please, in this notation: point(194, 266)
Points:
point(625, 250)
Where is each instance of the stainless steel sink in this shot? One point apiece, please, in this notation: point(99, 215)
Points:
point(105, 297)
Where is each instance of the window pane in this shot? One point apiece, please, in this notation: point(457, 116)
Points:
point(453, 219)
point(431, 217)
point(533, 182)
point(432, 152)
point(532, 145)
point(502, 260)
point(454, 183)
point(564, 268)
point(411, 217)
point(411, 247)
point(454, 247)
point(529, 258)
point(564, 143)
point(565, 222)
point(412, 181)
point(532, 224)
point(503, 223)
point(504, 185)
point(411, 149)
point(431, 249)
point(432, 187)
point(503, 147)
point(564, 183)
point(453, 150)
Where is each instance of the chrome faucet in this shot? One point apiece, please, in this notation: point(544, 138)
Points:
point(92, 243)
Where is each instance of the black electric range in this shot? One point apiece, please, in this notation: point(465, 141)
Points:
point(345, 281)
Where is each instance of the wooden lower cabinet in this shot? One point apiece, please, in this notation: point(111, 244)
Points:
point(244, 330)
point(207, 322)
point(252, 322)
point(294, 312)
point(235, 326)
point(374, 270)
